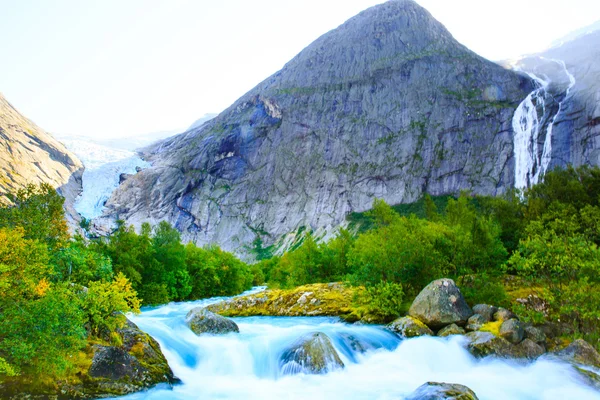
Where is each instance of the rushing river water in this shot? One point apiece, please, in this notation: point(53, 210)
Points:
point(246, 365)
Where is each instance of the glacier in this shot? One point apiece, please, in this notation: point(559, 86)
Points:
point(103, 168)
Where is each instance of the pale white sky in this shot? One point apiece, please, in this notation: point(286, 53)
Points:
point(116, 68)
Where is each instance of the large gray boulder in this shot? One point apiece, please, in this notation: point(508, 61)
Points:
point(451, 329)
point(311, 354)
point(440, 304)
point(483, 344)
point(580, 352)
point(512, 330)
point(409, 327)
point(442, 391)
point(201, 321)
point(486, 311)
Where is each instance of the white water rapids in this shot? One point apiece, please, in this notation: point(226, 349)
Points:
point(530, 166)
point(246, 365)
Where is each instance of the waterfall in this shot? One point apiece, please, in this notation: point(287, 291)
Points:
point(526, 125)
point(527, 122)
point(547, 154)
point(377, 363)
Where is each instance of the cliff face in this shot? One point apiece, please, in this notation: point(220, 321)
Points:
point(30, 155)
point(388, 106)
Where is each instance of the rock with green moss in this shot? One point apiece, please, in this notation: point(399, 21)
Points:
point(535, 334)
point(134, 364)
point(580, 352)
point(591, 377)
point(486, 311)
point(512, 330)
point(439, 391)
point(439, 304)
point(311, 354)
point(202, 321)
point(483, 344)
point(504, 315)
point(475, 322)
point(319, 299)
point(451, 329)
point(529, 349)
point(409, 327)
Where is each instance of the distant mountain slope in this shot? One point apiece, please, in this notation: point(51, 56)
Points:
point(389, 105)
point(30, 155)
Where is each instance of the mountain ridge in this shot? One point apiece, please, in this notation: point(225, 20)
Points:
point(360, 113)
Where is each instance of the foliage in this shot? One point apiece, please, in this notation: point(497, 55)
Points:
point(104, 301)
point(483, 289)
point(38, 210)
point(384, 300)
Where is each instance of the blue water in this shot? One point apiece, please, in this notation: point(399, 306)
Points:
point(246, 365)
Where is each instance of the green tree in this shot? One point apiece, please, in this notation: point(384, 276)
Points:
point(39, 211)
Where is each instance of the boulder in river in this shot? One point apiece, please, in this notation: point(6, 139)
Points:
point(529, 349)
point(580, 352)
point(482, 344)
point(451, 329)
point(440, 391)
point(486, 311)
point(441, 304)
point(535, 334)
point(200, 321)
point(311, 354)
point(475, 322)
point(512, 330)
point(504, 315)
point(138, 363)
point(409, 327)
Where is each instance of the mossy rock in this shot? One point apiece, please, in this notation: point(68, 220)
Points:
point(312, 354)
point(439, 391)
point(321, 299)
point(102, 370)
point(202, 321)
point(409, 327)
point(439, 304)
point(451, 329)
point(483, 344)
point(580, 352)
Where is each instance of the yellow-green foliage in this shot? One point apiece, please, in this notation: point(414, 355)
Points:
point(492, 327)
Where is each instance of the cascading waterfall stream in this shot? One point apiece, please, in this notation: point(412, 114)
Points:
point(378, 364)
point(547, 154)
point(527, 123)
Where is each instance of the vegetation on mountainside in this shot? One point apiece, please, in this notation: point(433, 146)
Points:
point(59, 294)
point(547, 236)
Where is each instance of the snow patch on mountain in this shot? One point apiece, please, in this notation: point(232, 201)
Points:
point(103, 168)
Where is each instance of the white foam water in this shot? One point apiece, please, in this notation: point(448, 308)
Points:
point(530, 166)
point(247, 365)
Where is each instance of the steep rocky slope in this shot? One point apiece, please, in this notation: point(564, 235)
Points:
point(388, 105)
point(30, 155)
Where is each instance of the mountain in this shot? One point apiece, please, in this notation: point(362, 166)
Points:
point(388, 105)
point(201, 121)
point(30, 155)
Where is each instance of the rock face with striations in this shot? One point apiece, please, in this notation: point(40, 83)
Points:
point(388, 105)
point(30, 155)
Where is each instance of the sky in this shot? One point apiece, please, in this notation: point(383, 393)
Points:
point(119, 68)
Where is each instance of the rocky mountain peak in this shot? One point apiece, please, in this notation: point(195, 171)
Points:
point(388, 105)
point(30, 155)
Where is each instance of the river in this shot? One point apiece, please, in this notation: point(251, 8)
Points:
point(246, 365)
